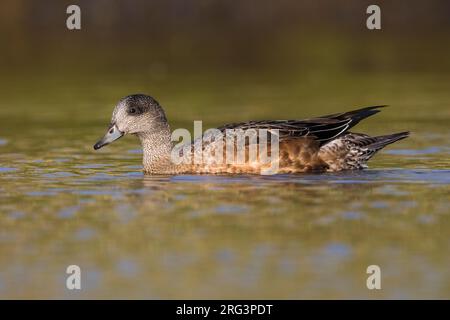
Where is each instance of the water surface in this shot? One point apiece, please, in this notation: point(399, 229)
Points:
point(283, 236)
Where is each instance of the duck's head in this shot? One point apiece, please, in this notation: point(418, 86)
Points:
point(134, 114)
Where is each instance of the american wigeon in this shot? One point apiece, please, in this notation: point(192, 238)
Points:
point(317, 144)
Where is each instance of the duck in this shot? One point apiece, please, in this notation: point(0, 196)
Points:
point(318, 144)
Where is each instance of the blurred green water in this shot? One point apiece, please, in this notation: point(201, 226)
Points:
point(304, 236)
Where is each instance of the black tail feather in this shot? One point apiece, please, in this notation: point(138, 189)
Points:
point(356, 115)
point(382, 141)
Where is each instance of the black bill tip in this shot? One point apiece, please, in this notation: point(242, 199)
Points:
point(98, 145)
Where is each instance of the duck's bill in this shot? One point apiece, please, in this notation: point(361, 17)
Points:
point(112, 135)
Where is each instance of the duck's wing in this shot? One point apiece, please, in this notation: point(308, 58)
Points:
point(322, 129)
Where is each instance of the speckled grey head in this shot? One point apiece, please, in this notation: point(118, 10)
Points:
point(134, 114)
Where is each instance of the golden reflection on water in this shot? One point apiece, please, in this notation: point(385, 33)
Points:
point(302, 236)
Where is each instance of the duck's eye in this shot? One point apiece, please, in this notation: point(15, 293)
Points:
point(132, 110)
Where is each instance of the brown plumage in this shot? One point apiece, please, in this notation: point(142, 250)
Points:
point(310, 145)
